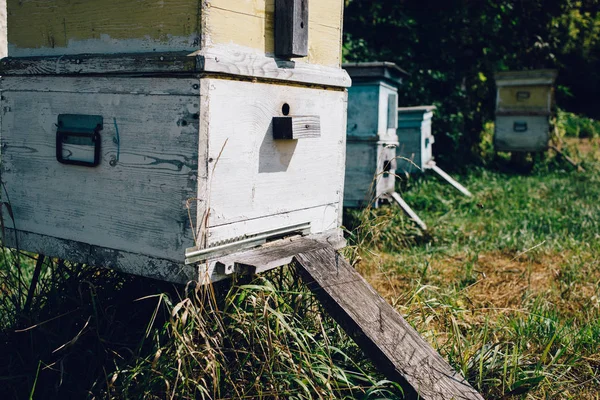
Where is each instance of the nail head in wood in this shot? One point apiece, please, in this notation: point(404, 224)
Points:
point(296, 127)
point(291, 28)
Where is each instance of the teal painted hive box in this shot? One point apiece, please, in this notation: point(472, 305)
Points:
point(371, 132)
point(415, 139)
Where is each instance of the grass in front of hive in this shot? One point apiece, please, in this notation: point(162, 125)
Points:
point(92, 332)
point(506, 285)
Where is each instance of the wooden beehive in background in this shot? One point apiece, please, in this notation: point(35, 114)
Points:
point(371, 131)
point(132, 131)
point(414, 138)
point(524, 103)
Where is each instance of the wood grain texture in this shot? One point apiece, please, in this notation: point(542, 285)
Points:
point(291, 28)
point(276, 253)
point(393, 345)
point(40, 27)
point(296, 127)
point(534, 138)
point(226, 60)
point(365, 177)
point(137, 204)
point(525, 99)
point(272, 177)
point(86, 64)
point(131, 263)
point(250, 24)
point(237, 61)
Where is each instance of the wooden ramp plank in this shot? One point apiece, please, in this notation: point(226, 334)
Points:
point(448, 178)
point(394, 346)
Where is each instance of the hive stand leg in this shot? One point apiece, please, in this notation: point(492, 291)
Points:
point(395, 347)
point(448, 178)
point(409, 211)
point(34, 281)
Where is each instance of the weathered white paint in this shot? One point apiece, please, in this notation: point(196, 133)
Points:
point(259, 176)
point(510, 136)
point(415, 138)
point(205, 142)
point(138, 205)
point(236, 60)
point(365, 177)
point(3, 39)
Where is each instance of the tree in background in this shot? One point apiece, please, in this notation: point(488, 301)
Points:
point(452, 50)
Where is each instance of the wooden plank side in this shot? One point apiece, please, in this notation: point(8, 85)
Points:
point(380, 330)
point(135, 200)
point(137, 64)
point(251, 25)
point(271, 177)
point(291, 28)
point(525, 99)
point(535, 137)
point(131, 263)
point(41, 27)
point(296, 127)
point(233, 60)
point(322, 218)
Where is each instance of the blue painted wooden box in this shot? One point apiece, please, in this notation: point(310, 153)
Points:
point(371, 131)
point(415, 139)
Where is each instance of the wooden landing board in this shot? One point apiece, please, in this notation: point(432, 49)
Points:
point(394, 346)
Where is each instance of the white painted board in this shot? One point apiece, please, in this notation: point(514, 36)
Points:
point(167, 143)
point(256, 176)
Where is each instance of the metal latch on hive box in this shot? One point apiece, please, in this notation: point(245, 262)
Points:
point(78, 139)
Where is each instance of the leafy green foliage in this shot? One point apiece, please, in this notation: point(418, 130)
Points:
point(452, 50)
point(507, 287)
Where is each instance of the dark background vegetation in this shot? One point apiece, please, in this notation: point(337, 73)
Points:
point(452, 49)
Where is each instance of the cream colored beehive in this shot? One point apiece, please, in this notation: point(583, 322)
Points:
point(524, 103)
point(132, 131)
point(371, 132)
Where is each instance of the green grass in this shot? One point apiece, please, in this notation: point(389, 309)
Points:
point(505, 285)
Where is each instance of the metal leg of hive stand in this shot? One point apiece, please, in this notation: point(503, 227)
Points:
point(409, 211)
point(431, 165)
point(34, 281)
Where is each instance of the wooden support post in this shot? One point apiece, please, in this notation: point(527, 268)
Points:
point(393, 345)
point(569, 159)
point(448, 178)
point(409, 211)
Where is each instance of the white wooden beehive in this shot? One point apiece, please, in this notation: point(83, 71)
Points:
point(524, 102)
point(205, 132)
point(415, 138)
point(371, 131)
